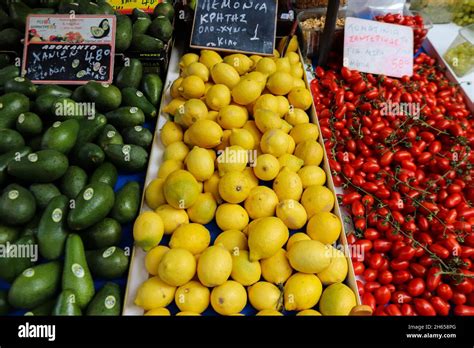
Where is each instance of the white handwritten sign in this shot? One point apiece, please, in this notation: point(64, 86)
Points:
point(378, 48)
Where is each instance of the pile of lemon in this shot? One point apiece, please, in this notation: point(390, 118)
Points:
point(240, 150)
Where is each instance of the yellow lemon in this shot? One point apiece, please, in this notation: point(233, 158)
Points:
point(293, 57)
point(292, 213)
point(251, 126)
point(187, 314)
point(312, 175)
point(300, 98)
point(231, 217)
point(302, 291)
point(188, 59)
point(275, 142)
point(192, 87)
point(265, 296)
point(170, 133)
point(232, 116)
point(246, 91)
point(292, 46)
point(266, 119)
point(158, 312)
point(286, 127)
point(232, 159)
point(168, 167)
point(309, 256)
point(242, 138)
point(255, 59)
point(266, 167)
point(225, 74)
point(244, 271)
point(197, 69)
point(154, 293)
point(336, 272)
point(212, 115)
point(287, 185)
point(192, 297)
point(296, 238)
point(298, 83)
point(177, 267)
point(291, 146)
point(258, 77)
point(207, 86)
point(283, 64)
point(193, 237)
point(292, 162)
point(205, 133)
point(148, 230)
point(283, 105)
point(232, 240)
point(310, 151)
point(266, 66)
point(218, 96)
point(240, 62)
point(296, 70)
point(276, 269)
point(193, 110)
point(265, 237)
point(174, 89)
point(305, 131)
point(154, 196)
point(174, 105)
point(153, 258)
point(214, 266)
point(234, 187)
point(261, 202)
point(172, 218)
point(269, 312)
point(296, 116)
point(251, 178)
point(324, 227)
point(317, 198)
point(266, 102)
point(203, 210)
point(181, 189)
point(308, 312)
point(337, 299)
point(280, 83)
point(210, 58)
point(212, 186)
point(200, 163)
point(176, 151)
point(228, 298)
point(225, 140)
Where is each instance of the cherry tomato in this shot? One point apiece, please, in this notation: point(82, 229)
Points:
point(423, 307)
point(416, 287)
point(382, 295)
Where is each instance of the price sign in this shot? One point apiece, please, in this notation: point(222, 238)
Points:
point(378, 48)
point(127, 6)
point(66, 49)
point(233, 25)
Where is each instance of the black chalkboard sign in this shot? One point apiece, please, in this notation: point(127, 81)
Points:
point(247, 26)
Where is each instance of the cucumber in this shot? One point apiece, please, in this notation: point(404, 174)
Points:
point(29, 124)
point(105, 233)
point(52, 229)
point(107, 301)
point(138, 135)
point(126, 116)
point(131, 75)
point(44, 193)
point(127, 203)
point(133, 97)
point(152, 86)
point(61, 136)
point(108, 263)
point(10, 140)
point(21, 85)
point(131, 158)
point(106, 173)
point(14, 263)
point(90, 156)
point(109, 135)
point(73, 181)
point(66, 304)
point(6, 158)
point(17, 205)
point(11, 105)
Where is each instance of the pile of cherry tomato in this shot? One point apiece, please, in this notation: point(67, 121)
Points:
point(416, 22)
point(408, 184)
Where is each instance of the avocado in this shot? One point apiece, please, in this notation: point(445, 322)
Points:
point(127, 203)
point(43, 309)
point(107, 263)
point(141, 25)
point(8, 157)
point(10, 37)
point(4, 306)
point(138, 135)
point(12, 105)
point(73, 181)
point(107, 301)
point(61, 136)
point(105, 233)
point(89, 156)
point(164, 9)
point(147, 44)
point(131, 75)
point(29, 124)
point(161, 28)
point(21, 85)
point(128, 157)
point(13, 264)
point(133, 97)
point(17, 205)
point(66, 304)
point(126, 116)
point(106, 97)
point(123, 33)
point(7, 73)
point(106, 173)
point(89, 130)
point(54, 90)
point(109, 135)
point(10, 140)
point(152, 86)
point(44, 193)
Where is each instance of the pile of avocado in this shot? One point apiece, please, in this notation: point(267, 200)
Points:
point(60, 153)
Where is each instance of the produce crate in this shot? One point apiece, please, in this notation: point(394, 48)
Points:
point(137, 272)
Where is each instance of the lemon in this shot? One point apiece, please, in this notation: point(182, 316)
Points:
point(287, 185)
point(336, 272)
point(173, 106)
point(296, 70)
point(302, 291)
point(177, 267)
point(291, 145)
point(200, 163)
point(218, 96)
point(192, 87)
point(186, 138)
point(324, 227)
point(181, 189)
point(312, 175)
point(266, 167)
point(153, 258)
point(317, 198)
point(251, 178)
point(261, 202)
point(197, 69)
point(193, 110)
point(214, 266)
point(269, 312)
point(255, 59)
point(265, 296)
point(170, 133)
point(234, 187)
point(265, 237)
point(292, 56)
point(283, 64)
point(225, 74)
point(299, 236)
point(276, 269)
point(154, 196)
point(232, 159)
point(174, 89)
point(266, 102)
point(225, 140)
point(192, 297)
point(266, 66)
point(232, 116)
point(286, 127)
point(244, 271)
point(240, 62)
point(304, 131)
point(283, 105)
point(276, 54)
point(209, 58)
point(296, 116)
point(242, 138)
point(310, 151)
point(246, 91)
point(292, 46)
point(274, 142)
point(228, 298)
point(148, 230)
point(212, 115)
point(308, 312)
point(203, 210)
point(292, 213)
point(279, 83)
point(187, 314)
point(337, 299)
point(232, 240)
point(188, 59)
point(176, 151)
point(168, 167)
point(231, 217)
point(266, 119)
point(193, 237)
point(292, 162)
point(251, 126)
point(298, 83)
point(207, 87)
point(205, 133)
point(258, 77)
point(154, 293)
point(300, 98)
point(212, 186)
point(172, 218)
point(309, 256)
point(158, 312)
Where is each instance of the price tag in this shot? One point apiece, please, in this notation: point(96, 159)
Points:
point(127, 6)
point(378, 48)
